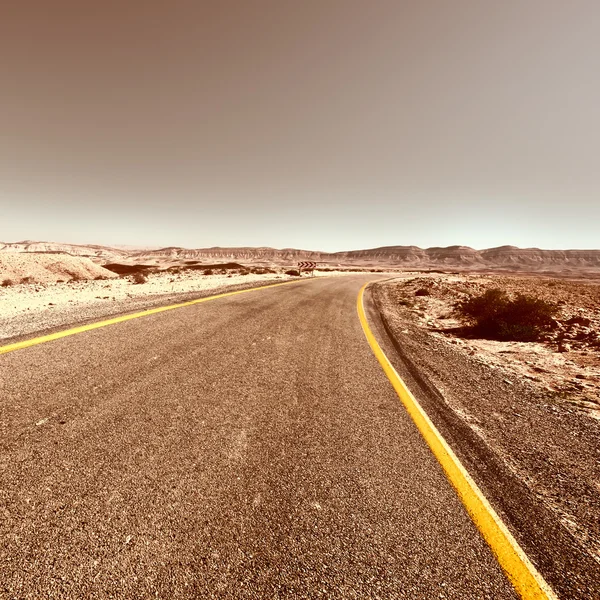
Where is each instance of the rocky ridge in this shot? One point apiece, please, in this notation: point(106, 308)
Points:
point(459, 257)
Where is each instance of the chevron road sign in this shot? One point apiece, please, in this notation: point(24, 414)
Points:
point(307, 266)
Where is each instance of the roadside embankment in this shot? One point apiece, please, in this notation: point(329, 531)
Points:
point(521, 400)
point(31, 308)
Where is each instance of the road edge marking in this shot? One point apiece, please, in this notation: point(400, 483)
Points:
point(151, 311)
point(522, 574)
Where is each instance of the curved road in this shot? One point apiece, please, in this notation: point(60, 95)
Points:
point(246, 447)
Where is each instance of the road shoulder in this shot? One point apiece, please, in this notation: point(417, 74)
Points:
point(469, 405)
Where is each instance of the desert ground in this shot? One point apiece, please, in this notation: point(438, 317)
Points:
point(567, 362)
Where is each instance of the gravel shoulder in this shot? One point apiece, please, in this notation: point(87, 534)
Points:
point(547, 443)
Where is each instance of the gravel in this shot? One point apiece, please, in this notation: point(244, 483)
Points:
point(552, 447)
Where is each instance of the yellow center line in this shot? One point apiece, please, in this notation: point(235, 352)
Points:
point(523, 575)
point(152, 311)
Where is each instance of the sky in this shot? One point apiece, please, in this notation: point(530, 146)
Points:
point(322, 124)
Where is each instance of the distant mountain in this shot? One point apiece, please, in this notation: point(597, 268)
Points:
point(504, 257)
point(248, 253)
point(90, 251)
point(404, 256)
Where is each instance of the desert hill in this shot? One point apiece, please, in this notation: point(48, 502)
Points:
point(460, 257)
point(90, 251)
point(38, 267)
point(401, 256)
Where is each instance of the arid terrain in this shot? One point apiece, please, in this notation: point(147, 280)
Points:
point(39, 291)
point(44, 285)
point(567, 263)
point(40, 280)
point(41, 268)
point(567, 362)
point(518, 414)
point(536, 405)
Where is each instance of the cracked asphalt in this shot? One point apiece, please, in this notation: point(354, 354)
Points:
point(246, 447)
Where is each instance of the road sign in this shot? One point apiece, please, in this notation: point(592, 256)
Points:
point(307, 266)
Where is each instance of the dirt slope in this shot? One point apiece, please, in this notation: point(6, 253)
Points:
point(48, 268)
point(90, 250)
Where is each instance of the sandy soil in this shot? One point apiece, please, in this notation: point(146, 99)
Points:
point(534, 406)
point(29, 308)
point(567, 362)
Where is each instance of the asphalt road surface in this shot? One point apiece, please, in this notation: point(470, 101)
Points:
point(246, 447)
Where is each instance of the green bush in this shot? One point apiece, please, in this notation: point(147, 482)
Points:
point(494, 315)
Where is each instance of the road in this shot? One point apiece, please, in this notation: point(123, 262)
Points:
point(246, 447)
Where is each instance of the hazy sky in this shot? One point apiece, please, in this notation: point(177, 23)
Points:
point(321, 124)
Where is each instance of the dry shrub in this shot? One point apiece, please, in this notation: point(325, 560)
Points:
point(262, 271)
point(7, 282)
point(494, 315)
point(293, 272)
point(139, 277)
point(423, 292)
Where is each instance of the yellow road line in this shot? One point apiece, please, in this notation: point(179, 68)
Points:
point(152, 311)
point(526, 580)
